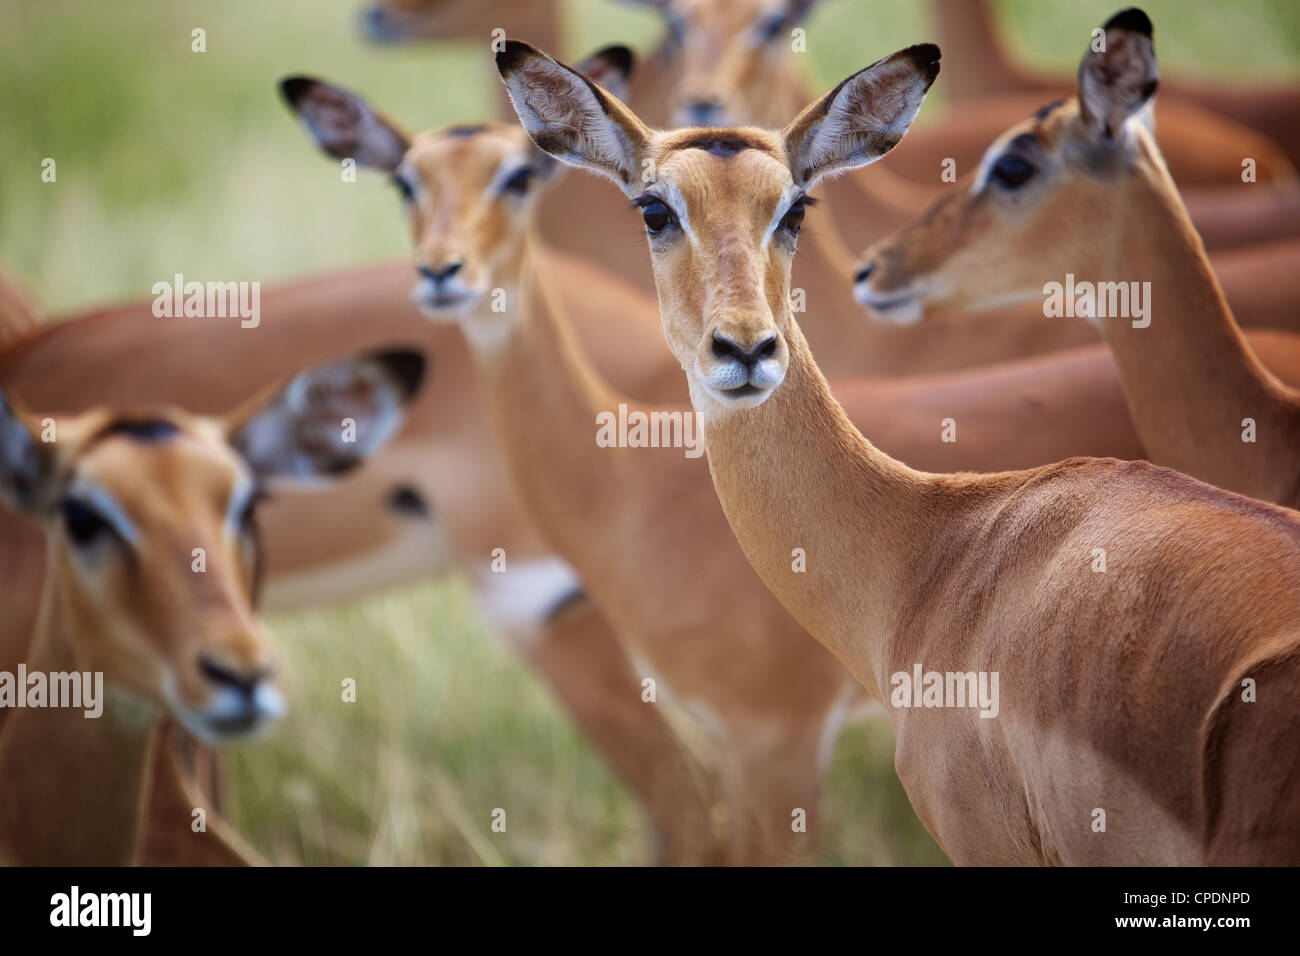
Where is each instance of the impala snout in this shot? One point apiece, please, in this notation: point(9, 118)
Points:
point(446, 286)
point(741, 366)
point(397, 23)
point(702, 111)
point(887, 290)
point(233, 695)
point(380, 26)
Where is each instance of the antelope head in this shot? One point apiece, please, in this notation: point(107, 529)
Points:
point(396, 21)
point(722, 206)
point(153, 558)
point(471, 192)
point(1051, 196)
point(731, 55)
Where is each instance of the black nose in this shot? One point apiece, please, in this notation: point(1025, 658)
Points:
point(374, 23)
point(440, 275)
point(724, 347)
point(225, 676)
point(703, 112)
point(863, 274)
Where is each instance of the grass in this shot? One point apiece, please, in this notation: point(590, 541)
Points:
point(173, 161)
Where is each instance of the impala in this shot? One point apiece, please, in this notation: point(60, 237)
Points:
point(434, 499)
point(603, 510)
point(151, 580)
point(737, 64)
point(1202, 401)
point(627, 518)
point(737, 55)
point(1120, 690)
point(979, 66)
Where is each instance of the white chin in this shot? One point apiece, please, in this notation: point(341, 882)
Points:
point(902, 312)
point(446, 310)
point(728, 398)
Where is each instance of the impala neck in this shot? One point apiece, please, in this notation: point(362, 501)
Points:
point(970, 25)
point(74, 786)
point(1192, 348)
point(543, 395)
point(794, 473)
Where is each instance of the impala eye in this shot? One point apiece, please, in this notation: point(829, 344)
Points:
point(519, 182)
point(770, 28)
point(246, 516)
point(793, 218)
point(83, 525)
point(657, 216)
point(1011, 172)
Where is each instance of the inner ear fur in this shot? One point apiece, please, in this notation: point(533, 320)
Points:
point(572, 118)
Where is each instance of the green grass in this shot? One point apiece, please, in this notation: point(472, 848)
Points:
point(171, 161)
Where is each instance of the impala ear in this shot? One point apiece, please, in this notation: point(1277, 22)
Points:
point(328, 419)
point(1118, 74)
point(863, 118)
point(572, 118)
point(26, 463)
point(345, 125)
point(610, 68)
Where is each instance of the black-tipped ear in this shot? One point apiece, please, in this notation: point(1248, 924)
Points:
point(1133, 20)
point(328, 419)
point(513, 55)
point(610, 67)
point(344, 125)
point(406, 368)
point(1119, 74)
point(863, 118)
point(571, 117)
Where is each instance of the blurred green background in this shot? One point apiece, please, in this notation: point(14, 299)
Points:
point(171, 161)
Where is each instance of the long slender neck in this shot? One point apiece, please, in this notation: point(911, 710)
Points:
point(794, 473)
point(977, 63)
point(1194, 350)
point(73, 786)
point(543, 395)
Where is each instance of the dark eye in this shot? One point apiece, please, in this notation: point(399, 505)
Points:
point(246, 517)
point(82, 524)
point(771, 28)
point(657, 216)
point(519, 182)
point(403, 187)
point(793, 219)
point(1011, 171)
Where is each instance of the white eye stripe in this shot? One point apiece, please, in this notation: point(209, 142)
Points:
point(106, 506)
point(788, 196)
point(505, 171)
point(671, 197)
point(239, 500)
point(410, 179)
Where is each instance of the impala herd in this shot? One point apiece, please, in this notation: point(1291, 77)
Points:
point(1084, 660)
